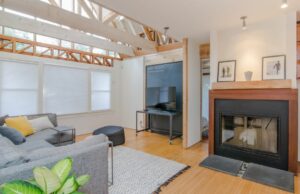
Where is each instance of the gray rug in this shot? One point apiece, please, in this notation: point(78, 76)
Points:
point(222, 164)
point(136, 172)
point(270, 176)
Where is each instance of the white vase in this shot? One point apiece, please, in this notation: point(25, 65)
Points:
point(248, 75)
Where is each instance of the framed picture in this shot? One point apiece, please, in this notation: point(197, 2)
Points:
point(273, 67)
point(226, 71)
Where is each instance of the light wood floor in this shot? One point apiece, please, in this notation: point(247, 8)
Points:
point(196, 180)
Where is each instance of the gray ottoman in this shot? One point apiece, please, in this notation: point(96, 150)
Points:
point(115, 134)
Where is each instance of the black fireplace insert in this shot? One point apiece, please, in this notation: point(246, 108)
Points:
point(252, 131)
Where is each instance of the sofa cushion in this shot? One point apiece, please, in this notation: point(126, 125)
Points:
point(12, 134)
point(21, 124)
point(2, 120)
point(48, 151)
point(10, 153)
point(30, 146)
point(41, 123)
point(51, 136)
point(52, 117)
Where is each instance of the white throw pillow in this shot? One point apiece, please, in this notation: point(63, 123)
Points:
point(41, 123)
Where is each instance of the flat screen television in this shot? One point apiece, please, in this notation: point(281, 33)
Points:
point(163, 98)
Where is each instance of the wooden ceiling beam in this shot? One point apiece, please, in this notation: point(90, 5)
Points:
point(148, 33)
point(109, 17)
point(86, 8)
point(169, 47)
point(53, 2)
point(64, 17)
point(29, 25)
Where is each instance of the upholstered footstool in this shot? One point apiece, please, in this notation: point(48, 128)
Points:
point(115, 134)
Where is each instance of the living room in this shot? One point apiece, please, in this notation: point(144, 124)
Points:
point(101, 96)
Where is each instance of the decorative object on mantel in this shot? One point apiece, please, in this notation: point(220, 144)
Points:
point(226, 71)
point(273, 67)
point(266, 84)
point(248, 75)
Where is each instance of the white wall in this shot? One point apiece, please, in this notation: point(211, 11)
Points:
point(205, 95)
point(194, 93)
point(132, 91)
point(133, 84)
point(275, 36)
point(271, 37)
point(83, 122)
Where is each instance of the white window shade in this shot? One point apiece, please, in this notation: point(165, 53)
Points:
point(18, 88)
point(101, 90)
point(65, 90)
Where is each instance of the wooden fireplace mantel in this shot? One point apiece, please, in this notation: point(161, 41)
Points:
point(265, 84)
point(290, 95)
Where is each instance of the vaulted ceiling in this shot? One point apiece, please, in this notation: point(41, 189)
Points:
point(196, 18)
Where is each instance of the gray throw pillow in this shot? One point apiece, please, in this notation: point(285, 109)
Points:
point(10, 154)
point(13, 135)
point(2, 120)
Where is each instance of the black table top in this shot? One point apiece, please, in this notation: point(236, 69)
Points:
point(158, 112)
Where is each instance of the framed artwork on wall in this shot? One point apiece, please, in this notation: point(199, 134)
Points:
point(273, 67)
point(226, 71)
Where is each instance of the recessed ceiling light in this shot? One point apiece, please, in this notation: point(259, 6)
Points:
point(244, 25)
point(284, 4)
point(121, 18)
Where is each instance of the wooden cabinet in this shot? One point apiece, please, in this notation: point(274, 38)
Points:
point(204, 51)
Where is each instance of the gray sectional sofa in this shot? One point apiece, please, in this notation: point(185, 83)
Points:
point(90, 157)
point(52, 135)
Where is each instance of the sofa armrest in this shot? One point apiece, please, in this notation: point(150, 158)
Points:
point(92, 161)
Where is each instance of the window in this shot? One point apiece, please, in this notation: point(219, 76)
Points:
point(66, 44)
point(68, 5)
point(111, 53)
point(47, 40)
point(101, 90)
point(99, 51)
point(18, 88)
point(82, 47)
point(65, 90)
point(18, 33)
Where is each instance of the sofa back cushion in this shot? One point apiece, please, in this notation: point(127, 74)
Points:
point(41, 123)
point(12, 134)
point(2, 120)
point(52, 117)
point(21, 124)
point(10, 154)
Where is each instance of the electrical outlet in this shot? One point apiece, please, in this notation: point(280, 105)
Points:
point(141, 124)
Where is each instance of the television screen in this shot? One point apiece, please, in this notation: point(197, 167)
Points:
point(152, 97)
point(161, 98)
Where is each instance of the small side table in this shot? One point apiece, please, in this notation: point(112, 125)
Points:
point(169, 114)
point(61, 130)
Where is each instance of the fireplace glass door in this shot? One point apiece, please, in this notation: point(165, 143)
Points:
point(255, 133)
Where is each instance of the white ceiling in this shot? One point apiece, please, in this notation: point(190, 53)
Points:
point(196, 18)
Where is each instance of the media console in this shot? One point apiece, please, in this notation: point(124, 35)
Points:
point(148, 113)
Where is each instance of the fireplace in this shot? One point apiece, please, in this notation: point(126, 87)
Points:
point(255, 125)
point(252, 131)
